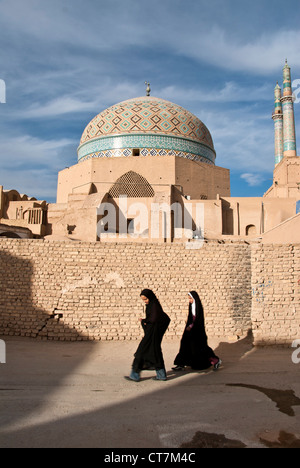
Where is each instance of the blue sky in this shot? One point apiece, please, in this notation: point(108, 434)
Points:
point(65, 61)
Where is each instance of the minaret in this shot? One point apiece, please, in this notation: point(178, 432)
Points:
point(278, 125)
point(289, 132)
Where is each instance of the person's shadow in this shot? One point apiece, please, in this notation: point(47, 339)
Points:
point(229, 353)
point(26, 317)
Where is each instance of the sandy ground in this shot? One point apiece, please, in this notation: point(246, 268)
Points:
point(60, 394)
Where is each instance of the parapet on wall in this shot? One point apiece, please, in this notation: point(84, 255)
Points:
point(91, 291)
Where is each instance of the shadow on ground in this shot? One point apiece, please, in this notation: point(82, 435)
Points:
point(75, 395)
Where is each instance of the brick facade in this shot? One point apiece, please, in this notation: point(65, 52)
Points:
point(90, 291)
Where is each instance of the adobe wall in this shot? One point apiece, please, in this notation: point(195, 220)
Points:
point(1, 201)
point(285, 179)
point(276, 293)
point(192, 178)
point(90, 291)
point(76, 291)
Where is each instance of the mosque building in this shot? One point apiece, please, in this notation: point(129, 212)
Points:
point(146, 172)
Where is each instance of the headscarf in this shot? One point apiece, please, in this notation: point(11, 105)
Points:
point(149, 294)
point(154, 310)
point(193, 305)
point(196, 307)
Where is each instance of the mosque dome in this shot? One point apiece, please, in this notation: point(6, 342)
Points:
point(146, 126)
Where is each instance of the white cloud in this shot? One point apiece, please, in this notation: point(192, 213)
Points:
point(253, 179)
point(202, 32)
point(25, 150)
point(37, 183)
point(56, 107)
point(229, 92)
point(261, 55)
point(30, 165)
point(63, 62)
point(105, 95)
point(90, 99)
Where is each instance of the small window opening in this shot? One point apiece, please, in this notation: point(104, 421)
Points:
point(130, 226)
point(135, 152)
point(250, 230)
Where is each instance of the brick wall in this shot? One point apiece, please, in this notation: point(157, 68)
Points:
point(276, 293)
point(80, 291)
point(90, 291)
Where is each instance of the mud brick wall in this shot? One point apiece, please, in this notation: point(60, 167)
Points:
point(275, 293)
point(91, 291)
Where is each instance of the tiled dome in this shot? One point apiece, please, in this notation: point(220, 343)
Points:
point(149, 125)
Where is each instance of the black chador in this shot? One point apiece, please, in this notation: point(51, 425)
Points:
point(149, 353)
point(194, 350)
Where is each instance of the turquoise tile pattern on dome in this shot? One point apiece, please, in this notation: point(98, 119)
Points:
point(146, 122)
point(148, 144)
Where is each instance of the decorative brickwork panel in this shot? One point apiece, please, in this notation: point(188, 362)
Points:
point(132, 185)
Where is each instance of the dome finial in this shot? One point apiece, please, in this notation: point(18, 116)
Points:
point(148, 90)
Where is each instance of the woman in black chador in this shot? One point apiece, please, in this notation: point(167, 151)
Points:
point(194, 350)
point(149, 353)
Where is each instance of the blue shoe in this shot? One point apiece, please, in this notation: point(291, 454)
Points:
point(135, 376)
point(160, 375)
